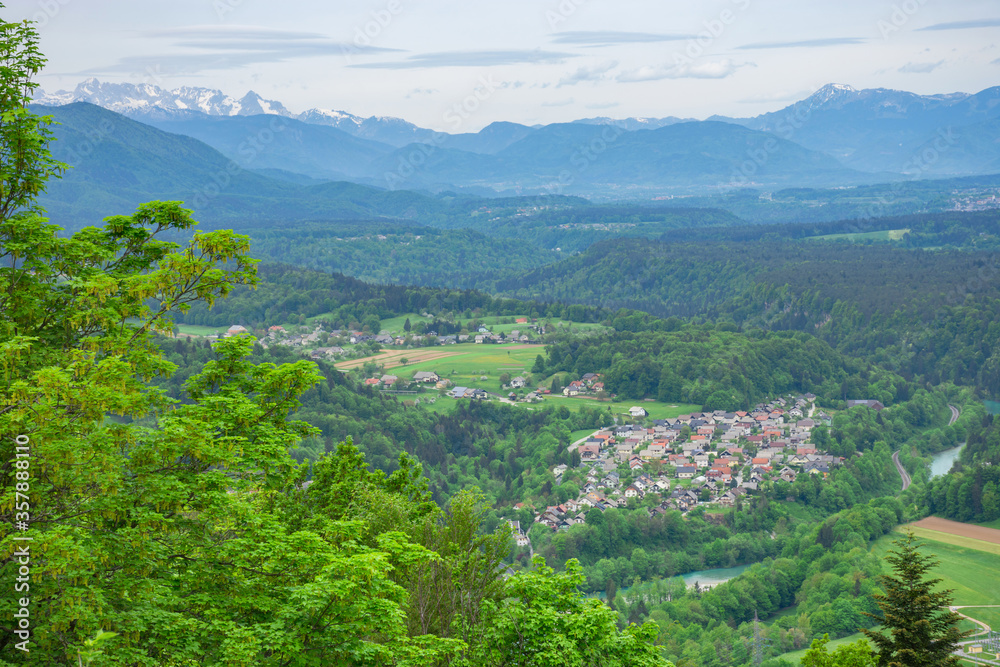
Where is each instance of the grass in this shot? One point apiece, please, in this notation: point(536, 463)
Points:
point(576, 435)
point(795, 657)
point(883, 235)
point(991, 524)
point(198, 330)
point(989, 616)
point(394, 325)
point(655, 410)
point(972, 575)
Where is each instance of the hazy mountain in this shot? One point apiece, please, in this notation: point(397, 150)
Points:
point(593, 159)
point(886, 130)
point(117, 163)
point(491, 139)
point(633, 123)
point(271, 142)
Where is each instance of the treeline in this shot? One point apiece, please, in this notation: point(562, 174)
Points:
point(721, 369)
point(967, 230)
point(928, 316)
point(398, 254)
point(971, 492)
point(287, 294)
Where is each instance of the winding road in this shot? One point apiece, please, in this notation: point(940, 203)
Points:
point(902, 472)
point(955, 412)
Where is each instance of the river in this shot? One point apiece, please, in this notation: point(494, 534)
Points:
point(713, 577)
point(942, 461)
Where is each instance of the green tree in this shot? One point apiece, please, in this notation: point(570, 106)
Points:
point(856, 654)
point(539, 366)
point(547, 622)
point(406, 325)
point(155, 521)
point(917, 628)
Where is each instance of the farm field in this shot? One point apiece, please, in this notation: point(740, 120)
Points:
point(961, 534)
point(197, 330)
point(972, 574)
point(655, 410)
point(883, 235)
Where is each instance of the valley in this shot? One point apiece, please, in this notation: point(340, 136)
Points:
point(314, 387)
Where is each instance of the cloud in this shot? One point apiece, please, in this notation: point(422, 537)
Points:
point(603, 105)
point(995, 62)
point(471, 59)
point(805, 43)
point(717, 69)
point(200, 49)
point(559, 103)
point(610, 37)
point(595, 73)
point(215, 32)
point(920, 68)
point(963, 25)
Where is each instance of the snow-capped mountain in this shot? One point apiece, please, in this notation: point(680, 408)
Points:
point(632, 123)
point(138, 99)
point(146, 102)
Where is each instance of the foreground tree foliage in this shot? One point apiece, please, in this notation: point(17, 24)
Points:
point(917, 628)
point(180, 531)
point(856, 654)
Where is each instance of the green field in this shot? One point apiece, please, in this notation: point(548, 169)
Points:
point(989, 616)
point(394, 325)
point(196, 330)
point(655, 410)
point(883, 235)
point(973, 575)
point(471, 362)
point(795, 657)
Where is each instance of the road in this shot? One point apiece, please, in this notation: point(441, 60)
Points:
point(902, 472)
point(955, 412)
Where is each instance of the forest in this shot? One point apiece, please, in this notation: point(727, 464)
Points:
point(181, 501)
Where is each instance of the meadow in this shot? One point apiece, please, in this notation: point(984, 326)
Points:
point(883, 235)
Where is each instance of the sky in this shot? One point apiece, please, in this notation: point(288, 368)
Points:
point(458, 66)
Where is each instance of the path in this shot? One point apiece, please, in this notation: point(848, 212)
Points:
point(984, 628)
point(902, 472)
point(955, 412)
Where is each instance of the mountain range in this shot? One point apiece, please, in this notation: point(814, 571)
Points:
point(839, 136)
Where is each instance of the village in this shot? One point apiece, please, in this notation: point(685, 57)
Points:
point(709, 460)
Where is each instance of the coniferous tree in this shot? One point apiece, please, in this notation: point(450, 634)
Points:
point(917, 628)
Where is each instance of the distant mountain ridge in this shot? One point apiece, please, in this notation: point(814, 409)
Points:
point(146, 102)
point(838, 136)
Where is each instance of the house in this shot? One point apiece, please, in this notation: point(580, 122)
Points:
point(685, 472)
point(235, 330)
point(426, 376)
point(518, 382)
point(588, 451)
point(631, 491)
point(321, 352)
point(868, 403)
point(636, 411)
point(389, 380)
